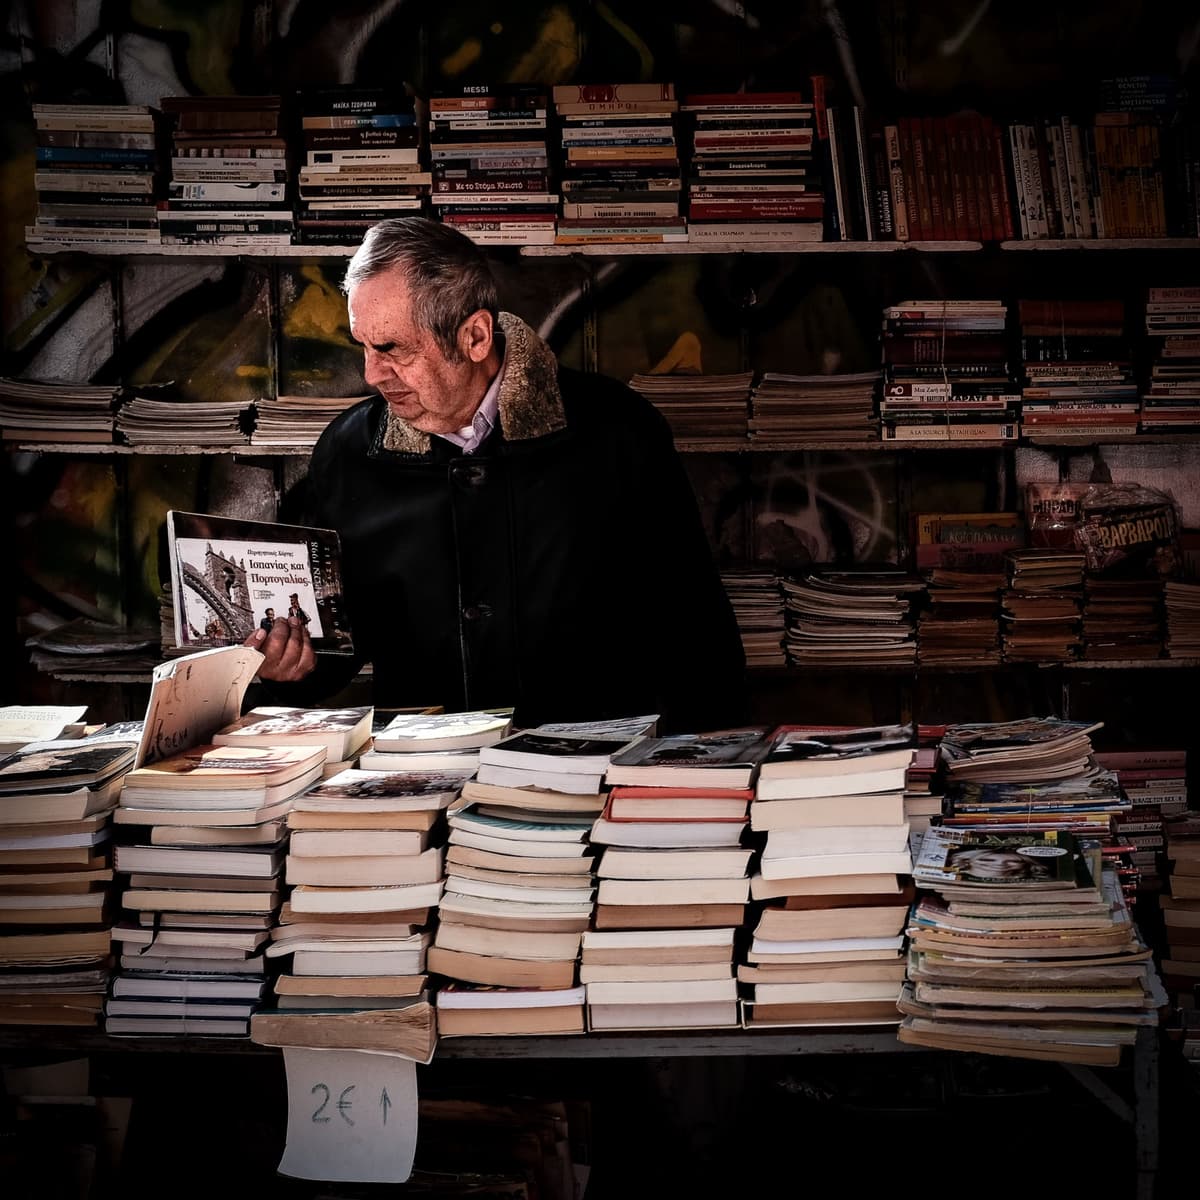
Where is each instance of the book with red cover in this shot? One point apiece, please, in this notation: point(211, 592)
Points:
point(914, 183)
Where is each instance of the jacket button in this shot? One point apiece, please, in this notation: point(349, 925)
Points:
point(468, 475)
point(476, 612)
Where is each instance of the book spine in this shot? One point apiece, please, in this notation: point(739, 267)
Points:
point(881, 192)
point(866, 209)
point(1043, 183)
point(1064, 201)
point(921, 173)
point(973, 178)
point(941, 216)
point(998, 182)
point(1092, 170)
point(1016, 140)
point(1077, 179)
point(896, 182)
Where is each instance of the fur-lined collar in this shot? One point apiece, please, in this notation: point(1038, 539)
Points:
point(530, 404)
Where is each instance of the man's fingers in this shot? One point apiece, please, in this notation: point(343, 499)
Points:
point(287, 651)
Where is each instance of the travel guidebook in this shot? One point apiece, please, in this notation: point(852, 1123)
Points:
point(229, 577)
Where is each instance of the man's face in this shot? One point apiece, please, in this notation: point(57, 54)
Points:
point(404, 363)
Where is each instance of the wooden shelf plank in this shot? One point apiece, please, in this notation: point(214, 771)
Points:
point(677, 249)
point(1103, 244)
point(156, 250)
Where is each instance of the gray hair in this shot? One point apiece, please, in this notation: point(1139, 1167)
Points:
point(448, 275)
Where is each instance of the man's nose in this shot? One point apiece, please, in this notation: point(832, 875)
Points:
point(375, 369)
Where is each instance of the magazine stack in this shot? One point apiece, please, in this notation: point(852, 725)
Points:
point(1182, 601)
point(203, 868)
point(365, 869)
point(435, 741)
point(945, 372)
point(362, 162)
point(620, 178)
point(752, 175)
point(56, 801)
point(1122, 618)
point(1077, 378)
point(673, 867)
point(1171, 403)
point(700, 409)
point(1024, 946)
point(490, 160)
point(827, 944)
point(519, 880)
point(96, 174)
point(961, 624)
point(814, 408)
point(32, 411)
point(1042, 607)
point(757, 600)
point(296, 420)
point(852, 618)
point(1181, 909)
point(1154, 781)
point(154, 420)
point(228, 184)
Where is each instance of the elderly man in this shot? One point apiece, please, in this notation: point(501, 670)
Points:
point(513, 532)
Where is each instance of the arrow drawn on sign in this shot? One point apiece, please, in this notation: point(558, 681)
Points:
point(385, 1102)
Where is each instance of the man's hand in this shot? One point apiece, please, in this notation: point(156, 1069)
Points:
point(287, 650)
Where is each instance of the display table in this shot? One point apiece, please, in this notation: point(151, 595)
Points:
point(30, 1044)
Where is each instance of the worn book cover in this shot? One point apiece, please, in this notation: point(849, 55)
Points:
point(230, 577)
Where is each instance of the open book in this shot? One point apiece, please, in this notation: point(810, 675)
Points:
point(229, 577)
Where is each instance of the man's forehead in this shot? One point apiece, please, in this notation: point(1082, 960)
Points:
point(380, 306)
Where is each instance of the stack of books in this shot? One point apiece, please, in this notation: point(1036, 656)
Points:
point(1171, 400)
point(826, 946)
point(1026, 950)
point(32, 411)
point(945, 372)
point(1042, 605)
point(147, 421)
point(961, 626)
point(700, 408)
point(673, 860)
point(1122, 618)
point(204, 868)
point(1182, 602)
point(491, 173)
point(1181, 909)
point(1077, 378)
point(228, 184)
point(362, 162)
point(435, 741)
point(97, 175)
point(922, 799)
point(757, 600)
point(751, 176)
point(366, 868)
point(621, 174)
point(296, 420)
point(846, 618)
point(344, 732)
point(56, 802)
point(814, 408)
point(520, 926)
point(1155, 784)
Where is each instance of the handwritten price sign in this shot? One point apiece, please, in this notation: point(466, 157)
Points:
point(352, 1115)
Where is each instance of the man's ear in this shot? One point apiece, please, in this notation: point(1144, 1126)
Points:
point(476, 336)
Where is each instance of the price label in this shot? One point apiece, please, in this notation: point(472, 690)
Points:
point(352, 1115)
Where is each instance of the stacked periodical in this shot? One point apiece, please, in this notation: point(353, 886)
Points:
point(97, 175)
point(1154, 781)
point(851, 617)
point(490, 160)
point(1181, 909)
point(1122, 618)
point(1183, 618)
point(57, 412)
point(228, 184)
point(757, 600)
point(56, 802)
point(945, 365)
point(1042, 605)
point(362, 162)
point(827, 945)
point(961, 626)
point(1172, 399)
point(1028, 949)
point(296, 420)
point(752, 176)
point(673, 879)
point(1077, 377)
point(621, 175)
point(700, 408)
point(204, 870)
point(814, 408)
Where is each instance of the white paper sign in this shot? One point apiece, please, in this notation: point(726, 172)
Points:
point(352, 1115)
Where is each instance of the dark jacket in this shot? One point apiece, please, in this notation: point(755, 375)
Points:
point(561, 568)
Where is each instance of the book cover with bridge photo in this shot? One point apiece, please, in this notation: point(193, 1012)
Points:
point(229, 576)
